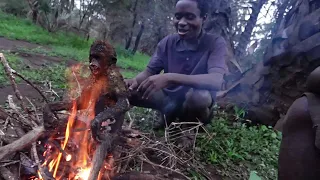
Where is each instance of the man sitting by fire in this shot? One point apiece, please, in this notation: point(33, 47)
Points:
point(193, 62)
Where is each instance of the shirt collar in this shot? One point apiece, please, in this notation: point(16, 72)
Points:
point(183, 45)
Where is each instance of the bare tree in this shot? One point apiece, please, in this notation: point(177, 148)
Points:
point(136, 44)
point(134, 21)
point(246, 34)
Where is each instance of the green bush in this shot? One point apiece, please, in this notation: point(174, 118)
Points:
point(16, 7)
point(237, 149)
point(60, 44)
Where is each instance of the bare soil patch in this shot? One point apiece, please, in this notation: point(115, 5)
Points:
point(35, 60)
point(26, 91)
point(32, 60)
point(8, 44)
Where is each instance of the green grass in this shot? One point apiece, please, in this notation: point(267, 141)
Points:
point(129, 74)
point(238, 149)
point(55, 74)
point(59, 44)
point(59, 51)
point(62, 44)
point(16, 28)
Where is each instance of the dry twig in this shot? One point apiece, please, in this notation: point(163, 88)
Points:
point(9, 163)
point(145, 159)
point(9, 71)
point(32, 85)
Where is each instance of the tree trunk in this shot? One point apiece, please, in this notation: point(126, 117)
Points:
point(281, 10)
point(134, 21)
point(246, 34)
point(62, 5)
point(71, 5)
point(128, 42)
point(136, 44)
point(268, 89)
point(219, 23)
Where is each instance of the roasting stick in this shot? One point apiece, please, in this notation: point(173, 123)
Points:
point(100, 155)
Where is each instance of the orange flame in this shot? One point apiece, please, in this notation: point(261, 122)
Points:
point(79, 160)
point(71, 119)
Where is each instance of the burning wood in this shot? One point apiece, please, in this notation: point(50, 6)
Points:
point(72, 153)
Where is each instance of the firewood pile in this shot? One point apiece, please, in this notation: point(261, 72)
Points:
point(35, 147)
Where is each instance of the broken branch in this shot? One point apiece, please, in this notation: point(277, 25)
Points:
point(9, 163)
point(22, 142)
point(32, 85)
point(9, 71)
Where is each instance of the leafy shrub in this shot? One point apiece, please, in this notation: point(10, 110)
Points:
point(237, 149)
point(16, 7)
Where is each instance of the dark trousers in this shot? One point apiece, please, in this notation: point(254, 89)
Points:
point(191, 106)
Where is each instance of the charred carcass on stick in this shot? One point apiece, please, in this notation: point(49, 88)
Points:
point(105, 88)
point(103, 98)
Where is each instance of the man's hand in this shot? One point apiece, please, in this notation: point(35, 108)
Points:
point(153, 83)
point(132, 84)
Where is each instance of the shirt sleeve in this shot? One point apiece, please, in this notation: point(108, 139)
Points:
point(156, 63)
point(217, 57)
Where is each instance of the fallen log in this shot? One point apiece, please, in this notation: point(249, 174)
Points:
point(21, 143)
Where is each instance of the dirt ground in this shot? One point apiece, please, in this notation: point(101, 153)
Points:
point(25, 89)
point(7, 44)
point(33, 61)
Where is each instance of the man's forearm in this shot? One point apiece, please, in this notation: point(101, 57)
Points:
point(142, 76)
point(202, 81)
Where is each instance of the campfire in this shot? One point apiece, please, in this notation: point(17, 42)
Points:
point(59, 144)
point(70, 150)
point(69, 154)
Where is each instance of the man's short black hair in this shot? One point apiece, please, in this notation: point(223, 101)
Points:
point(203, 5)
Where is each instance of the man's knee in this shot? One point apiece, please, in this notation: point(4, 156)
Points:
point(198, 99)
point(156, 101)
